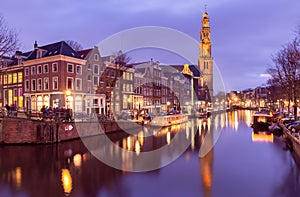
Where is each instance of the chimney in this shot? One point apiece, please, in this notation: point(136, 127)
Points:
point(35, 45)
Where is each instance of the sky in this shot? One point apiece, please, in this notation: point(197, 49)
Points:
point(245, 34)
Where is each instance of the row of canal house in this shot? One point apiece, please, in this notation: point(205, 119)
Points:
point(56, 75)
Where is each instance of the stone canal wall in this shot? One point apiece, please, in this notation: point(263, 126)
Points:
point(22, 130)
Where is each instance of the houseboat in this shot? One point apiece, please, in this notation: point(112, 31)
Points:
point(262, 120)
point(167, 120)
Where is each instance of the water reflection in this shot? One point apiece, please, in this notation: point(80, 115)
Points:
point(262, 137)
point(66, 181)
point(232, 168)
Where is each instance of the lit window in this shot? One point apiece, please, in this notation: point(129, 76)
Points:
point(5, 79)
point(9, 79)
point(15, 77)
point(20, 77)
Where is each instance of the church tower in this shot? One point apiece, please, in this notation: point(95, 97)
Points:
point(205, 61)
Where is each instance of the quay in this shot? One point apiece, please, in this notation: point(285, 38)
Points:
point(17, 130)
point(292, 140)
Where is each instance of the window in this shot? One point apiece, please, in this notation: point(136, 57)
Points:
point(70, 68)
point(96, 69)
point(33, 71)
point(95, 101)
point(205, 65)
point(33, 85)
point(9, 79)
point(54, 67)
point(20, 77)
point(78, 70)
point(55, 83)
point(26, 71)
point(26, 85)
point(95, 81)
point(15, 77)
point(46, 83)
point(89, 66)
point(5, 79)
point(96, 57)
point(89, 78)
point(78, 84)
point(39, 69)
point(69, 83)
point(39, 84)
point(46, 69)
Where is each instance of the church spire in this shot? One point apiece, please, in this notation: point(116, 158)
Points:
point(205, 60)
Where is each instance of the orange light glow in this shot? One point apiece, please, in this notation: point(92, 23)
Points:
point(66, 181)
point(262, 137)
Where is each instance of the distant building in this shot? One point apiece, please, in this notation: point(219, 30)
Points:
point(94, 103)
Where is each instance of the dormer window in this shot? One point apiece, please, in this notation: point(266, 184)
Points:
point(39, 54)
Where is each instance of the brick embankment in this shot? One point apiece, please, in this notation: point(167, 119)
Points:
point(292, 138)
point(25, 131)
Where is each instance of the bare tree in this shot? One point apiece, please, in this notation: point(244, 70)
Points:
point(76, 46)
point(286, 71)
point(8, 39)
point(120, 62)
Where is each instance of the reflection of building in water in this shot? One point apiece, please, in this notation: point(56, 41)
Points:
point(262, 137)
point(206, 170)
point(206, 161)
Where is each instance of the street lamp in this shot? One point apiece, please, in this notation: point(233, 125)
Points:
point(168, 104)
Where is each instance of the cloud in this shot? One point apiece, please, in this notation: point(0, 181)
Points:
point(264, 75)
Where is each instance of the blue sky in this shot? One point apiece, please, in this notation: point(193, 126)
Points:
point(244, 33)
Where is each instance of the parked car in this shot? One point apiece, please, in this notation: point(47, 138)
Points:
point(147, 118)
point(294, 127)
point(125, 116)
point(288, 120)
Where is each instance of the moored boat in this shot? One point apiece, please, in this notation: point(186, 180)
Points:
point(168, 120)
point(262, 120)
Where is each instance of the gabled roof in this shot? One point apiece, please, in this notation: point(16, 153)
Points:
point(84, 53)
point(195, 70)
point(58, 48)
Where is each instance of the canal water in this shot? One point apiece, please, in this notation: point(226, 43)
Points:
point(241, 163)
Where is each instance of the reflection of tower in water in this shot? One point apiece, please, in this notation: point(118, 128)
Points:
point(206, 161)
